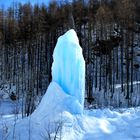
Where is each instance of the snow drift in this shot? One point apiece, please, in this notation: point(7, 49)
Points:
point(55, 102)
point(53, 110)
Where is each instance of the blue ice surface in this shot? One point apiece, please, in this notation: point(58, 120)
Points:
point(68, 69)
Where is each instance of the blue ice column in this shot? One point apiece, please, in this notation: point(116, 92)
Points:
point(68, 69)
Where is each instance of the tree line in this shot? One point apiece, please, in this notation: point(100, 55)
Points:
point(108, 31)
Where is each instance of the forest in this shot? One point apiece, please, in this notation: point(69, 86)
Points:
point(108, 31)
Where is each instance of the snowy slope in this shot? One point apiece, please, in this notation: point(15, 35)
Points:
point(55, 107)
point(105, 124)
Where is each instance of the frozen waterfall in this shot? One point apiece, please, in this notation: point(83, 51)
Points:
point(68, 69)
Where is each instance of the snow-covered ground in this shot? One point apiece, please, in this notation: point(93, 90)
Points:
point(100, 124)
point(56, 118)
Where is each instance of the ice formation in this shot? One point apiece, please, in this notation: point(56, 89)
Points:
point(65, 94)
point(68, 69)
point(66, 91)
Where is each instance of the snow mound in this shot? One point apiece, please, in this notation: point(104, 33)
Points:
point(53, 111)
point(56, 101)
point(100, 124)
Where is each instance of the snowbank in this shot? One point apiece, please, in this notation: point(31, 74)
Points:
point(100, 124)
point(56, 101)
